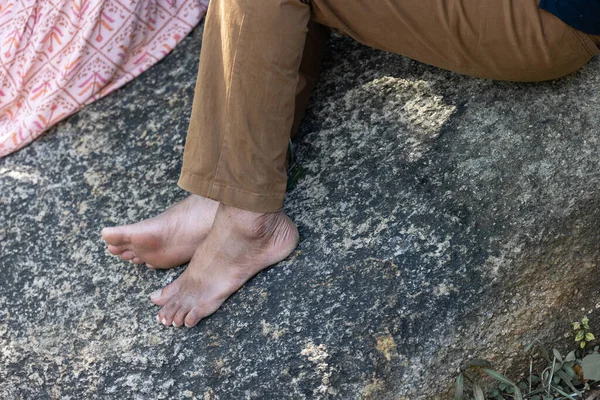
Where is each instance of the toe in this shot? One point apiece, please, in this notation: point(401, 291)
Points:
point(160, 297)
point(179, 318)
point(127, 255)
point(114, 250)
point(150, 266)
point(194, 316)
point(114, 236)
point(106, 234)
point(137, 260)
point(167, 313)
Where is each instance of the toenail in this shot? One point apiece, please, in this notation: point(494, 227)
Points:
point(187, 326)
point(164, 321)
point(155, 295)
point(157, 319)
point(175, 325)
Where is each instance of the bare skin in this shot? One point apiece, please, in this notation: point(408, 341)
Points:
point(167, 240)
point(226, 245)
point(239, 245)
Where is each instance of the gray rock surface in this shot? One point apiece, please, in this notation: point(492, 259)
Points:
point(442, 218)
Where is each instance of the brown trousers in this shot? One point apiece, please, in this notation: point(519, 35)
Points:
point(260, 59)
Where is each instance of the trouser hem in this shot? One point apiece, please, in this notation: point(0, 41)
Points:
point(587, 42)
point(231, 196)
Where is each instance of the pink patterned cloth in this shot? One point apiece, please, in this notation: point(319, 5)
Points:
point(58, 55)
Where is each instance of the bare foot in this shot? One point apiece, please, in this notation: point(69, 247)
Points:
point(239, 245)
point(167, 240)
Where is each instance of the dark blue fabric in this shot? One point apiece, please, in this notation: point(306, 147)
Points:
point(583, 15)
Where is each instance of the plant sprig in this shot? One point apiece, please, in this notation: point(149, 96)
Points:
point(583, 335)
point(561, 379)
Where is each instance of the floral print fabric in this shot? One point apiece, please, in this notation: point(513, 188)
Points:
point(58, 55)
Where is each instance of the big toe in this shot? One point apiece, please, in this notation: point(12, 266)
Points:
point(162, 296)
point(196, 314)
point(115, 236)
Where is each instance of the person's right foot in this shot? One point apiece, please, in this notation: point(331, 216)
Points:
point(240, 244)
point(167, 240)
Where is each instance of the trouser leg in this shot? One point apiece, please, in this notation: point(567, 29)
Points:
point(246, 104)
point(244, 107)
point(510, 40)
point(314, 49)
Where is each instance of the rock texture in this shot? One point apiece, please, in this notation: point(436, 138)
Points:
point(442, 218)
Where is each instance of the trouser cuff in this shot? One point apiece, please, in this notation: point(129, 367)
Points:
point(230, 196)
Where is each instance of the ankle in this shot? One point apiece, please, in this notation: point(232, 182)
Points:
point(273, 227)
point(269, 227)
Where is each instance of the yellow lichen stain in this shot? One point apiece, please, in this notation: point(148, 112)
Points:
point(154, 340)
point(266, 327)
point(83, 207)
point(277, 333)
point(209, 394)
point(269, 330)
point(444, 290)
point(218, 366)
point(326, 283)
point(386, 345)
point(294, 255)
point(373, 389)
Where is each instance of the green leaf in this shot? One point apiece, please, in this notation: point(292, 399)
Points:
point(545, 355)
point(580, 335)
point(501, 378)
point(460, 387)
point(582, 344)
point(568, 369)
point(567, 380)
point(518, 394)
point(294, 176)
point(589, 337)
point(559, 390)
point(498, 376)
point(557, 366)
point(585, 322)
point(478, 392)
point(536, 391)
point(591, 367)
point(570, 357)
point(557, 355)
point(576, 325)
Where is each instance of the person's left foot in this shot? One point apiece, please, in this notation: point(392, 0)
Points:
point(167, 240)
point(239, 245)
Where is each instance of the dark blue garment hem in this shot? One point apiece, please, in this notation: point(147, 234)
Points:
point(583, 15)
